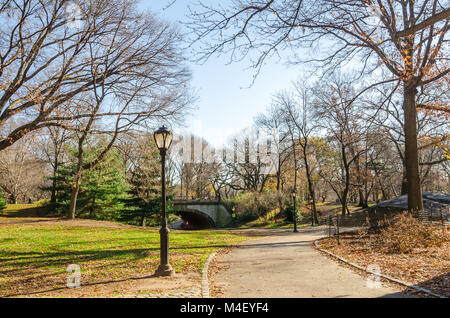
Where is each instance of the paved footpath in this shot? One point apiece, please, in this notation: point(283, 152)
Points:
point(287, 265)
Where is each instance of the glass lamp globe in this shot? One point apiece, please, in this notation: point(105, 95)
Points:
point(163, 138)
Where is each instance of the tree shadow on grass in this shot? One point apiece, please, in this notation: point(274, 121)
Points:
point(91, 255)
point(23, 212)
point(23, 261)
point(84, 284)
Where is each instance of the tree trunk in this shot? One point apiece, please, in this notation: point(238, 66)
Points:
point(76, 181)
point(411, 153)
point(310, 186)
point(280, 201)
point(55, 172)
point(359, 181)
point(219, 196)
point(404, 188)
point(363, 202)
point(74, 195)
point(383, 193)
point(91, 210)
point(344, 197)
point(344, 200)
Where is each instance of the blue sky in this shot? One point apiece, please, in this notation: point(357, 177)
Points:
point(225, 103)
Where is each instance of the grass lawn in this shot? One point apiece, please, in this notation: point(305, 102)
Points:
point(35, 257)
point(326, 207)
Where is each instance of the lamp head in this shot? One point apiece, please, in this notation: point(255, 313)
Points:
point(163, 138)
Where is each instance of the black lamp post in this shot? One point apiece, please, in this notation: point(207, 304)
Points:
point(294, 194)
point(163, 139)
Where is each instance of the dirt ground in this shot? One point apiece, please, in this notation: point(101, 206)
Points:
point(187, 285)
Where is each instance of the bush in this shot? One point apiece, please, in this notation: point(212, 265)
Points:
point(42, 202)
point(407, 233)
point(288, 212)
point(2, 203)
point(302, 217)
point(272, 217)
point(250, 206)
point(247, 216)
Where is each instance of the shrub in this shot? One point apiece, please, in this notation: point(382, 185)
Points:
point(302, 216)
point(42, 202)
point(269, 218)
point(2, 203)
point(247, 216)
point(407, 233)
point(250, 206)
point(288, 212)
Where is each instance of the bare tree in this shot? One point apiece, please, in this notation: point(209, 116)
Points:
point(46, 62)
point(131, 73)
point(123, 123)
point(21, 172)
point(336, 108)
point(406, 38)
point(297, 112)
point(52, 147)
point(247, 163)
point(432, 131)
point(272, 123)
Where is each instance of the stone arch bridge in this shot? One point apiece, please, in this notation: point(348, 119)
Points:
point(202, 213)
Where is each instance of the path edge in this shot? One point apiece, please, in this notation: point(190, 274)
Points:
point(205, 279)
point(376, 274)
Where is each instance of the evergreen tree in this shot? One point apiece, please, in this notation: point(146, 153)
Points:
point(143, 206)
point(102, 190)
point(2, 203)
point(60, 185)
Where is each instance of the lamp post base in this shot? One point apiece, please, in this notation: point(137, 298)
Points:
point(164, 270)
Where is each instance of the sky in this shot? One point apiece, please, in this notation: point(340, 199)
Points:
point(225, 102)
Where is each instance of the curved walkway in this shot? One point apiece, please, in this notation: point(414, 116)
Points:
point(287, 265)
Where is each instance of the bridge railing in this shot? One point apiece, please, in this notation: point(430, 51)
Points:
point(193, 199)
point(188, 198)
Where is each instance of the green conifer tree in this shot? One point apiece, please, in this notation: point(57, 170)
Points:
point(2, 203)
point(102, 188)
point(143, 206)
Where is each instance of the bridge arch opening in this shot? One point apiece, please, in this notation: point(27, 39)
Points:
point(196, 220)
point(202, 214)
